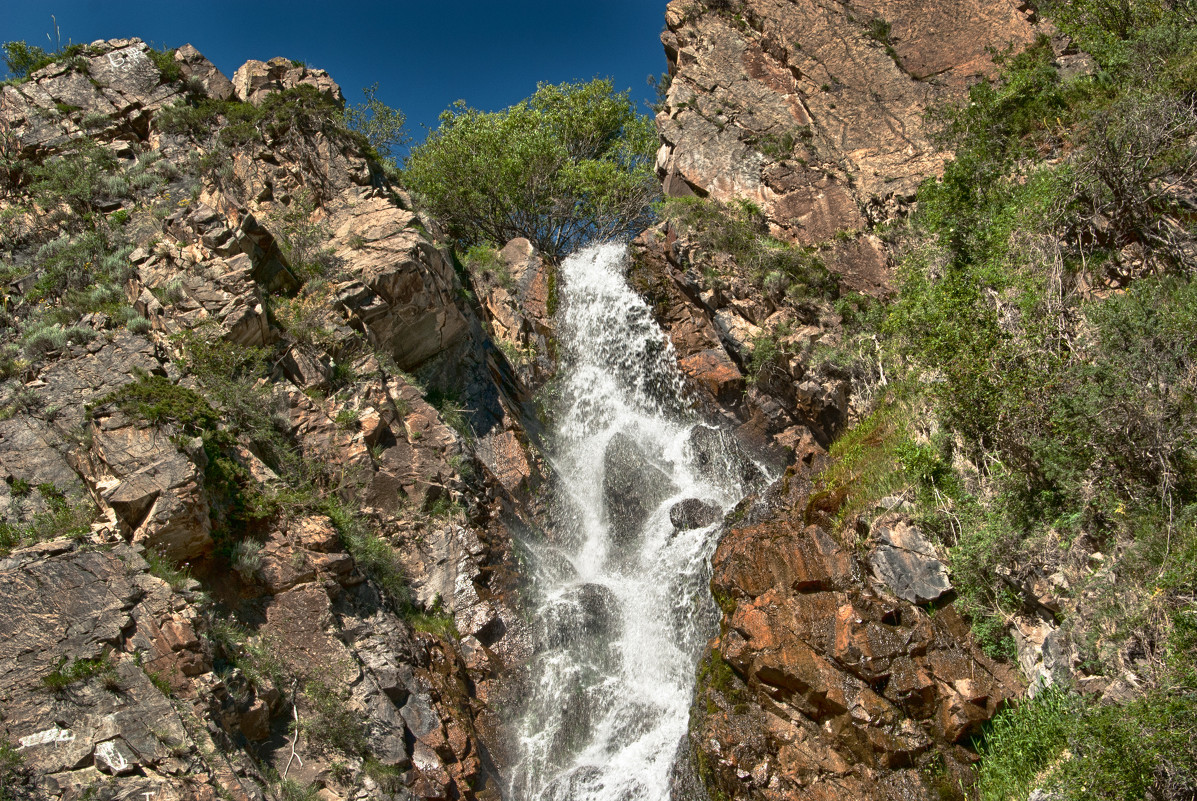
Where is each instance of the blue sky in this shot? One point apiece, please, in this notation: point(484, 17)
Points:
point(424, 55)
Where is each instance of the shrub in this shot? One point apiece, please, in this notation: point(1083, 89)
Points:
point(484, 259)
point(740, 230)
point(161, 566)
point(381, 125)
point(236, 501)
point(330, 722)
point(569, 165)
point(24, 59)
point(164, 60)
point(247, 558)
point(12, 771)
point(300, 236)
point(63, 517)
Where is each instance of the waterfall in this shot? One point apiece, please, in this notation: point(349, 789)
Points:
point(621, 593)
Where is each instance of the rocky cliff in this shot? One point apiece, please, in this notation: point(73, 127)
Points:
point(842, 670)
point(259, 454)
point(815, 111)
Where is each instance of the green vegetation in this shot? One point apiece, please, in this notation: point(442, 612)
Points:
point(379, 123)
point(12, 771)
point(84, 267)
point(62, 517)
point(290, 115)
point(237, 501)
point(1041, 403)
point(329, 722)
point(24, 59)
point(164, 60)
point(569, 165)
point(377, 559)
point(291, 790)
point(484, 259)
point(237, 647)
point(80, 670)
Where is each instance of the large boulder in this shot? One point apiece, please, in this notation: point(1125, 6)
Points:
point(633, 488)
point(582, 613)
point(907, 563)
point(254, 80)
point(693, 513)
point(193, 65)
point(721, 458)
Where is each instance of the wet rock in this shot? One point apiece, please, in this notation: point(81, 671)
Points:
point(721, 457)
point(693, 513)
point(584, 613)
point(633, 487)
point(908, 564)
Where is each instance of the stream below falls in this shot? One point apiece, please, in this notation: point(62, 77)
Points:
point(621, 595)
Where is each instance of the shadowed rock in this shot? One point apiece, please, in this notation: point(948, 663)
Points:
point(693, 513)
point(908, 564)
point(632, 487)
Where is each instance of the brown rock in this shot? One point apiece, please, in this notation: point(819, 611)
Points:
point(194, 65)
point(861, 690)
point(254, 80)
point(794, 106)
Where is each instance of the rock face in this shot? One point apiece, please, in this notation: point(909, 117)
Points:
point(255, 80)
point(815, 112)
point(516, 298)
point(632, 488)
point(824, 687)
point(113, 664)
point(830, 679)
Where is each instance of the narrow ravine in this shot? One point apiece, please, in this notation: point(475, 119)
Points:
point(621, 596)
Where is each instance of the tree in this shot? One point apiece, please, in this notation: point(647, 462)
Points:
point(379, 123)
point(570, 165)
point(23, 58)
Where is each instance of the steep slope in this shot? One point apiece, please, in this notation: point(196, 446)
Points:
point(246, 553)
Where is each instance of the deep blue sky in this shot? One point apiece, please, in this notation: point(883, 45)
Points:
point(424, 55)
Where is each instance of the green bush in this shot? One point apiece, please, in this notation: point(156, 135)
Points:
point(570, 165)
point(24, 59)
point(12, 771)
point(330, 722)
point(80, 670)
point(62, 517)
point(164, 60)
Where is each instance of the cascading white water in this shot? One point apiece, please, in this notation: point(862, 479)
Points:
point(623, 603)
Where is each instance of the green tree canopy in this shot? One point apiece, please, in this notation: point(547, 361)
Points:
point(569, 165)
